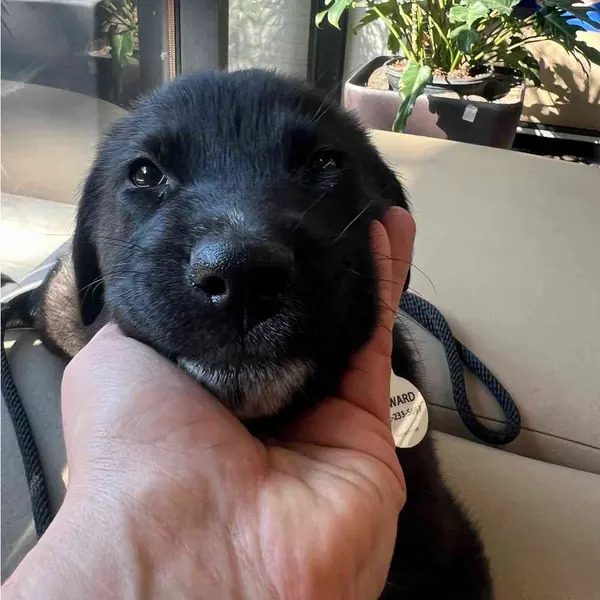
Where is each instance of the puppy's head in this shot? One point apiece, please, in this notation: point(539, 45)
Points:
point(227, 220)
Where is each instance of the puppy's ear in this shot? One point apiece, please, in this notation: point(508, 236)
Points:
point(88, 278)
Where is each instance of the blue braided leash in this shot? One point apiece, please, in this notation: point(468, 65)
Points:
point(459, 357)
point(34, 472)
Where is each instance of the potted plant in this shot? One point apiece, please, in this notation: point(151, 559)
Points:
point(117, 48)
point(455, 62)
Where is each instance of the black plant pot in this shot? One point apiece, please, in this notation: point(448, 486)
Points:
point(473, 86)
point(441, 114)
point(116, 84)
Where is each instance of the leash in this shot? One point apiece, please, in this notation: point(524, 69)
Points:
point(458, 357)
point(36, 482)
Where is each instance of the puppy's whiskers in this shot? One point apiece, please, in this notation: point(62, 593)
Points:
point(326, 104)
point(394, 281)
point(305, 213)
point(380, 323)
point(411, 264)
point(126, 243)
point(358, 216)
point(93, 286)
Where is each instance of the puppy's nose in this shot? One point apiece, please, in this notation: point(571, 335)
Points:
point(245, 279)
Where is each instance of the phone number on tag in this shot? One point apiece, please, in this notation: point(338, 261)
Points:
point(413, 410)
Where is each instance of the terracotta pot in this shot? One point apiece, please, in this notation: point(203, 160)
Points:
point(445, 116)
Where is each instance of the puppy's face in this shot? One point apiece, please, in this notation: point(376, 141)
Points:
point(228, 219)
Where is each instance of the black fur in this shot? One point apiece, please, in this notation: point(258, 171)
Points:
point(242, 144)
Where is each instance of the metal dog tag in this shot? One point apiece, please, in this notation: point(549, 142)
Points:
point(409, 418)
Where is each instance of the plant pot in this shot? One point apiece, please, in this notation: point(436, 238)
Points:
point(115, 83)
point(393, 75)
point(440, 113)
point(472, 86)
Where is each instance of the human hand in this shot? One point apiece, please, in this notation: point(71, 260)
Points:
point(171, 497)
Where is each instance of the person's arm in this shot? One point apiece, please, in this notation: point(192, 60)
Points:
point(171, 497)
point(84, 554)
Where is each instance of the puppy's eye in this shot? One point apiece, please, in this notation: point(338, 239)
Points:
point(144, 174)
point(326, 160)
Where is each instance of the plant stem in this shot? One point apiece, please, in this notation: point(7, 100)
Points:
point(528, 19)
point(407, 53)
point(439, 29)
point(430, 33)
point(443, 36)
point(419, 35)
point(115, 15)
point(456, 61)
point(503, 37)
point(415, 27)
point(529, 40)
point(495, 30)
point(403, 15)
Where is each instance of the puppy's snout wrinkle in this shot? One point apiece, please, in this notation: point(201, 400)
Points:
point(245, 280)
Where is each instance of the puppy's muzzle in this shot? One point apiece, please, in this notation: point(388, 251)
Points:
point(243, 280)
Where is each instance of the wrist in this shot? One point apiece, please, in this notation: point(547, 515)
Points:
point(84, 553)
point(105, 547)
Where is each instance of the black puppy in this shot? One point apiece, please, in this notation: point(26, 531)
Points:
point(225, 223)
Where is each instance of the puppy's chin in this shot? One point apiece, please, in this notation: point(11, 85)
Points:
point(253, 390)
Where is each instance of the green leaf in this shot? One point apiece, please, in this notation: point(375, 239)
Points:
point(521, 60)
point(319, 17)
point(116, 41)
point(126, 47)
point(412, 83)
point(578, 12)
point(504, 7)
point(387, 8)
point(369, 17)
point(122, 47)
point(392, 44)
point(465, 38)
point(336, 11)
point(552, 23)
point(468, 12)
